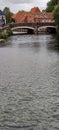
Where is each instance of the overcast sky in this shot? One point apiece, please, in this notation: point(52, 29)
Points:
point(16, 5)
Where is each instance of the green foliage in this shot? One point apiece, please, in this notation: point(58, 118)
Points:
point(8, 14)
point(56, 17)
point(5, 35)
point(56, 14)
point(13, 20)
point(9, 32)
point(23, 11)
point(51, 4)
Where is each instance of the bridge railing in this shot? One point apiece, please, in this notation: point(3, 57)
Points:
point(31, 24)
point(22, 24)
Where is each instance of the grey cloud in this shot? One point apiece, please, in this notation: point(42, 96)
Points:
point(16, 5)
point(18, 1)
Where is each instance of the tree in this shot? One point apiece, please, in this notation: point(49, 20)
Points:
point(51, 4)
point(56, 16)
point(22, 11)
point(8, 14)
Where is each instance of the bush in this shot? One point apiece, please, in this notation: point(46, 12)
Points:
point(58, 30)
point(3, 35)
point(9, 32)
point(56, 17)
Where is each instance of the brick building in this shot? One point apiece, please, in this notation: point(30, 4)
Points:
point(34, 15)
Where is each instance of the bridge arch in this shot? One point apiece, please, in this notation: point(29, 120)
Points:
point(48, 29)
point(23, 29)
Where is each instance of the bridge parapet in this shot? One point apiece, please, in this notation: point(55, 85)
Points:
point(22, 24)
point(31, 24)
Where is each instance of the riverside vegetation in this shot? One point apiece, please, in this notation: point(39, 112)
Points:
point(53, 6)
point(5, 35)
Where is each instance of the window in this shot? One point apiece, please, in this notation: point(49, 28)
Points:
point(30, 16)
point(45, 15)
point(46, 21)
point(36, 20)
point(43, 21)
point(49, 20)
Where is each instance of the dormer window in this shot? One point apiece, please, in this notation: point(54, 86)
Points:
point(45, 15)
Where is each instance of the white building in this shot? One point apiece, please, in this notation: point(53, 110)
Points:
point(2, 18)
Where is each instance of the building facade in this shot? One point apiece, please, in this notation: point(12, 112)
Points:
point(34, 15)
point(2, 18)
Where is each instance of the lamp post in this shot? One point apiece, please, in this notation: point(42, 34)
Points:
point(37, 27)
point(37, 23)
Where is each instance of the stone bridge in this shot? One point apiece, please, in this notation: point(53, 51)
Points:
point(30, 28)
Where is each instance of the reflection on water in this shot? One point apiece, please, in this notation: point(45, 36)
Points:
point(29, 83)
point(54, 43)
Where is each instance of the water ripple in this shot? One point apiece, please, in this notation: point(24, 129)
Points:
point(29, 84)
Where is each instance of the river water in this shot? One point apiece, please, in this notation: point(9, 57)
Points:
point(29, 83)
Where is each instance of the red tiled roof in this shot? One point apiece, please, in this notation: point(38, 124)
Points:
point(20, 16)
point(14, 15)
point(47, 14)
point(31, 16)
point(34, 10)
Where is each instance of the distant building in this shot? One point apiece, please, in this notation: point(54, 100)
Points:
point(34, 15)
point(2, 18)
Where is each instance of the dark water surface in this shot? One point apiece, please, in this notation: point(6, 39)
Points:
point(29, 83)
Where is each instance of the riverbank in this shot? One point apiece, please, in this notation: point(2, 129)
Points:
point(2, 40)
